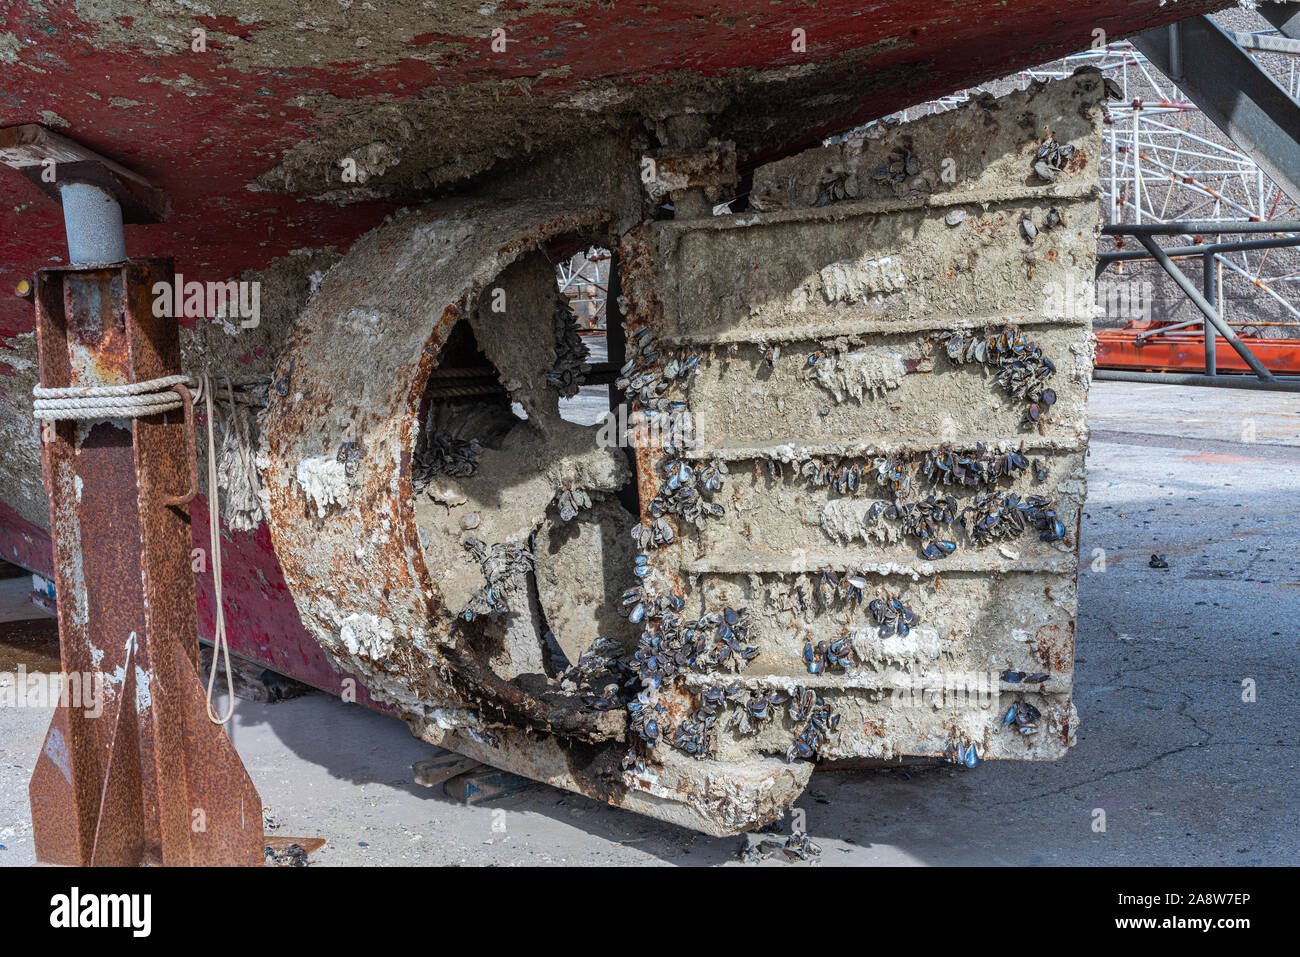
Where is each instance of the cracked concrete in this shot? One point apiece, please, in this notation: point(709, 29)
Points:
point(1186, 771)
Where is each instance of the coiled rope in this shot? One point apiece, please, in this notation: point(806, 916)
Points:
point(109, 401)
point(151, 397)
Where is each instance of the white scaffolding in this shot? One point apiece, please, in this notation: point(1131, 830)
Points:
point(584, 280)
point(1159, 169)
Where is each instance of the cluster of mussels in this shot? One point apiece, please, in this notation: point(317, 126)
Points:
point(892, 615)
point(442, 453)
point(1016, 677)
point(1022, 369)
point(1021, 716)
point(994, 516)
point(959, 753)
point(647, 379)
point(653, 380)
point(981, 468)
point(710, 643)
point(671, 646)
point(571, 501)
point(896, 472)
point(694, 734)
point(900, 164)
point(1050, 221)
point(682, 494)
point(836, 186)
point(755, 707)
point(991, 516)
point(644, 716)
point(821, 723)
point(796, 847)
point(599, 675)
point(349, 454)
point(676, 645)
point(571, 354)
point(640, 605)
point(1051, 158)
point(825, 655)
point(925, 520)
point(847, 587)
point(506, 566)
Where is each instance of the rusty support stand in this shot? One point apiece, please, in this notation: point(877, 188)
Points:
point(150, 780)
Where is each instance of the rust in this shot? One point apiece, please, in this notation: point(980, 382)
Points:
point(188, 496)
point(309, 423)
point(125, 786)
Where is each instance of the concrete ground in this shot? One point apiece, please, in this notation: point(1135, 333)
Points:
point(1186, 771)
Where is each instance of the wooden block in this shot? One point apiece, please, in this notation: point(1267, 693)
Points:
point(489, 784)
point(32, 149)
point(435, 771)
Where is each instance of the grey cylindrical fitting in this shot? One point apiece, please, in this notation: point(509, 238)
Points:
point(93, 221)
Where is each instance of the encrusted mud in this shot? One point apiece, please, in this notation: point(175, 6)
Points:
point(500, 123)
point(583, 568)
point(861, 374)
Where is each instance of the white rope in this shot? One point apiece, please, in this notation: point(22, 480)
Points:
point(220, 646)
point(94, 391)
point(128, 407)
point(236, 469)
point(128, 401)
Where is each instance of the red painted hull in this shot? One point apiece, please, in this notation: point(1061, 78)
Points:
point(204, 126)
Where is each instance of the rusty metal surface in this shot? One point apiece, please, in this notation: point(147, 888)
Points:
point(136, 774)
point(355, 563)
point(331, 555)
point(1185, 352)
